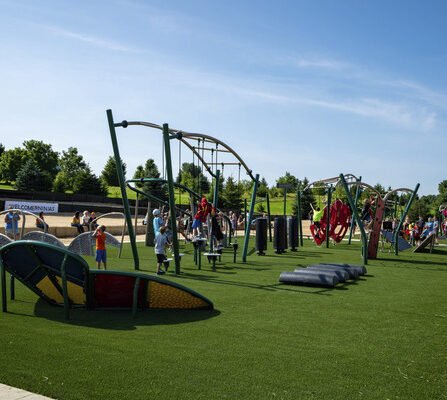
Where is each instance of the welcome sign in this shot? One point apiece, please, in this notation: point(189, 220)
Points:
point(31, 206)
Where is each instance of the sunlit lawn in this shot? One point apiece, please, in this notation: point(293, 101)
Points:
point(381, 337)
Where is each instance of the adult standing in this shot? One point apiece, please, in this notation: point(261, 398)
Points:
point(12, 219)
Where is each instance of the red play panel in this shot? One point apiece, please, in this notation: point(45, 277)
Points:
point(115, 290)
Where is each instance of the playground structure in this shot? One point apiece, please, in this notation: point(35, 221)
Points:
point(336, 219)
point(188, 139)
point(429, 242)
point(370, 246)
point(151, 197)
point(82, 244)
point(63, 278)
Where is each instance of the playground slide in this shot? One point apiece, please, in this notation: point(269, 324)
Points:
point(42, 266)
point(428, 241)
point(401, 243)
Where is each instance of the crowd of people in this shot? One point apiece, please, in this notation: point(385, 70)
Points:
point(417, 231)
point(191, 227)
point(84, 223)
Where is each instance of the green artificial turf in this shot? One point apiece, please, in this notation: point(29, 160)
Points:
point(381, 337)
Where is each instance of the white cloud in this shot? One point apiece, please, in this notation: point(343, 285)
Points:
point(321, 63)
point(92, 40)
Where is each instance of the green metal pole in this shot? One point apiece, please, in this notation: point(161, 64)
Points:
point(399, 226)
point(3, 278)
point(248, 220)
point(328, 214)
point(175, 245)
point(357, 219)
point(245, 208)
point(12, 287)
point(216, 188)
point(65, 288)
point(300, 215)
point(357, 195)
point(285, 203)
point(269, 218)
point(122, 183)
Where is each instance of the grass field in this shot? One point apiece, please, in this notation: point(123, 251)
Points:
point(276, 204)
point(381, 337)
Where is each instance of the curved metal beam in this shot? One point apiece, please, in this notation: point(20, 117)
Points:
point(335, 179)
point(160, 180)
point(405, 190)
point(154, 198)
point(192, 148)
point(214, 140)
point(363, 184)
point(183, 134)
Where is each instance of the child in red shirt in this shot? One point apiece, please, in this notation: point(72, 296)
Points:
point(203, 209)
point(101, 255)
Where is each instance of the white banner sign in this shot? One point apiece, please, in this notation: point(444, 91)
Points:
point(33, 207)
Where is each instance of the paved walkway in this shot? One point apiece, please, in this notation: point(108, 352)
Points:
point(12, 393)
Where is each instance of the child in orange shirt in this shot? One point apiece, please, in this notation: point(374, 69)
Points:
point(101, 255)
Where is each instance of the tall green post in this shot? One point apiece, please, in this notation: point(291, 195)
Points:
point(170, 179)
point(122, 183)
point(328, 214)
point(285, 203)
point(299, 215)
point(3, 282)
point(357, 220)
point(248, 219)
point(216, 188)
point(357, 195)
point(269, 218)
point(399, 226)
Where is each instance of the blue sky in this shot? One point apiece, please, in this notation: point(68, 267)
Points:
point(311, 87)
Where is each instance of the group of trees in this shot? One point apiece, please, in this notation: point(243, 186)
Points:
point(37, 167)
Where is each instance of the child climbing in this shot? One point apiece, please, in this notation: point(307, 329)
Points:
point(203, 209)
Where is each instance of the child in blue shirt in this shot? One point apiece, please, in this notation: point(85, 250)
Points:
point(157, 222)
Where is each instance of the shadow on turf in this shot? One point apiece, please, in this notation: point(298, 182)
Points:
point(421, 264)
point(215, 279)
point(121, 319)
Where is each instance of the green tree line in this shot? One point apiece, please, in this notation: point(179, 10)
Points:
point(35, 166)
